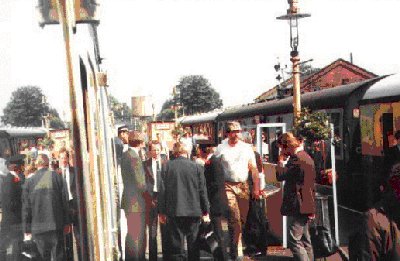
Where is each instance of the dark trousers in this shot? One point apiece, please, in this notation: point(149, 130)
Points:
point(220, 253)
point(10, 243)
point(179, 228)
point(153, 224)
point(299, 240)
point(50, 245)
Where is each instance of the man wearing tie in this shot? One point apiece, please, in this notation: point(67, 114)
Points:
point(134, 198)
point(68, 173)
point(153, 168)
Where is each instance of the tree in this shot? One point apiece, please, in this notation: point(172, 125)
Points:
point(193, 94)
point(55, 121)
point(307, 69)
point(25, 108)
point(120, 110)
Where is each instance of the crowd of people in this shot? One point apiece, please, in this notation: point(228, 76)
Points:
point(214, 183)
point(177, 193)
point(39, 209)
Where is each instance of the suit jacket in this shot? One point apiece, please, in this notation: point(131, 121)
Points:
point(214, 174)
point(148, 168)
point(12, 203)
point(392, 156)
point(299, 189)
point(185, 192)
point(133, 178)
point(377, 238)
point(44, 205)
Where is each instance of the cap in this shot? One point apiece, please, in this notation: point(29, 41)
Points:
point(122, 128)
point(233, 126)
point(135, 136)
point(16, 159)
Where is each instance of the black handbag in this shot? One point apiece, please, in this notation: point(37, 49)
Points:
point(322, 242)
point(207, 239)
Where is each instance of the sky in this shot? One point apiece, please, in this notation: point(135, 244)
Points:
point(148, 45)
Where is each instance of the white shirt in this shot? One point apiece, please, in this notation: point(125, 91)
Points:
point(154, 168)
point(65, 171)
point(235, 160)
point(264, 148)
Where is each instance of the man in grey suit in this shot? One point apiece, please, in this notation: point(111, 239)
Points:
point(45, 212)
point(134, 198)
point(182, 203)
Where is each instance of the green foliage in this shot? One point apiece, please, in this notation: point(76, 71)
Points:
point(192, 95)
point(121, 111)
point(55, 121)
point(46, 142)
point(312, 126)
point(27, 109)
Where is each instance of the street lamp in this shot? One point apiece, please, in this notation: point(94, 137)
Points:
point(293, 16)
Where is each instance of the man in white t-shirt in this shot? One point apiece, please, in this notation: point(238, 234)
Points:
point(238, 160)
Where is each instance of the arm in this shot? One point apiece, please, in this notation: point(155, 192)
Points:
point(204, 203)
point(26, 210)
point(252, 165)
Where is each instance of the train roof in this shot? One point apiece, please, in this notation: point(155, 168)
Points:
point(205, 117)
point(21, 132)
point(386, 90)
point(324, 99)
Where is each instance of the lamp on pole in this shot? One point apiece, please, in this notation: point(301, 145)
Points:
point(293, 16)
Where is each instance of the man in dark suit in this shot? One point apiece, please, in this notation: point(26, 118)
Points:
point(68, 173)
point(298, 195)
point(215, 181)
point(134, 197)
point(45, 212)
point(11, 224)
point(182, 203)
point(153, 168)
point(392, 156)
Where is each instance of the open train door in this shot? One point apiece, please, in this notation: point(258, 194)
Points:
point(266, 137)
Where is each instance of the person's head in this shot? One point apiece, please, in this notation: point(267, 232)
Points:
point(179, 149)
point(246, 136)
point(392, 185)
point(123, 132)
point(42, 161)
point(288, 143)
point(135, 139)
point(233, 131)
point(154, 149)
point(63, 156)
point(29, 169)
point(16, 163)
point(397, 136)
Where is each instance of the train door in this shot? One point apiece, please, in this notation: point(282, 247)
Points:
point(277, 222)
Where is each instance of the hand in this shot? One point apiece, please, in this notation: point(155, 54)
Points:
point(256, 194)
point(67, 229)
point(162, 218)
point(311, 217)
point(27, 236)
point(206, 218)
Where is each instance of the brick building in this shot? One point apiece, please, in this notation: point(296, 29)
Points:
point(337, 73)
